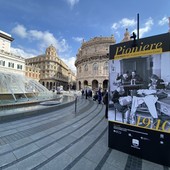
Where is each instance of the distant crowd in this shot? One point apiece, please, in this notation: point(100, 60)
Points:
point(99, 96)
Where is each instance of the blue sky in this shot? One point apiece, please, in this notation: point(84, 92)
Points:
point(36, 24)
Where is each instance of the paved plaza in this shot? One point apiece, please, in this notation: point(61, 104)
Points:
point(62, 140)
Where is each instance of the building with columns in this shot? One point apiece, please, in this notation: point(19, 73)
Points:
point(92, 63)
point(53, 71)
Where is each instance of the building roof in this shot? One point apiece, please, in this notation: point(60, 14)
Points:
point(6, 36)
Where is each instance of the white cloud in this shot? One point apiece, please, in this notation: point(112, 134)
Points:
point(147, 27)
point(163, 21)
point(63, 45)
point(20, 30)
point(123, 23)
point(44, 39)
point(70, 62)
point(72, 3)
point(22, 53)
point(115, 26)
point(78, 39)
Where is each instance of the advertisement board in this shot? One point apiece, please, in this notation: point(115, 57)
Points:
point(139, 98)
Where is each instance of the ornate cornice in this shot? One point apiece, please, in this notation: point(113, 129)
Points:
point(95, 49)
point(91, 59)
point(98, 40)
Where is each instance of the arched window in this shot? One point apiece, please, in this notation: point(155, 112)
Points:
point(85, 67)
point(79, 69)
point(95, 68)
point(105, 68)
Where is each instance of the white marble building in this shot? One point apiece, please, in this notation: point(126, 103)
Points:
point(8, 61)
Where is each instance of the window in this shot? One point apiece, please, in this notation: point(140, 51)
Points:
point(10, 64)
point(95, 68)
point(105, 68)
point(2, 63)
point(86, 67)
point(79, 69)
point(19, 66)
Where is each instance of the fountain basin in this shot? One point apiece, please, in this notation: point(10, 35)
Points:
point(23, 110)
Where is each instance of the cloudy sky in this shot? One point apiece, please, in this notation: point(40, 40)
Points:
point(36, 24)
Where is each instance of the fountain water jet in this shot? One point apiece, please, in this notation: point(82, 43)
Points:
point(18, 88)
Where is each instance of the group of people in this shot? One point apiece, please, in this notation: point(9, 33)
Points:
point(87, 93)
point(126, 78)
point(103, 97)
point(155, 83)
point(99, 96)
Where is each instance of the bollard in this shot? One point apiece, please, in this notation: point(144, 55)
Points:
point(75, 103)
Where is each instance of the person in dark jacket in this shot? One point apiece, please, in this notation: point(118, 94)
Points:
point(99, 96)
point(119, 92)
point(156, 82)
point(90, 93)
point(135, 77)
point(95, 97)
point(106, 102)
point(123, 77)
point(86, 93)
point(82, 92)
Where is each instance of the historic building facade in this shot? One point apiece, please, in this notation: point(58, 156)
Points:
point(10, 62)
point(71, 80)
point(48, 69)
point(32, 72)
point(92, 63)
point(5, 41)
point(53, 71)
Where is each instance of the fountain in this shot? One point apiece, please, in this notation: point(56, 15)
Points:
point(16, 88)
point(21, 96)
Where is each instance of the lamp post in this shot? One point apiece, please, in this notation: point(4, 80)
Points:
point(138, 26)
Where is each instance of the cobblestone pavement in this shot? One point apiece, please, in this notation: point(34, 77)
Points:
point(64, 140)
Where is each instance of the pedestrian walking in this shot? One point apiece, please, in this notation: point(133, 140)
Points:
point(99, 96)
point(86, 93)
point(82, 92)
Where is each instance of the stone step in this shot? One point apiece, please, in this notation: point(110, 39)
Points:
point(22, 150)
